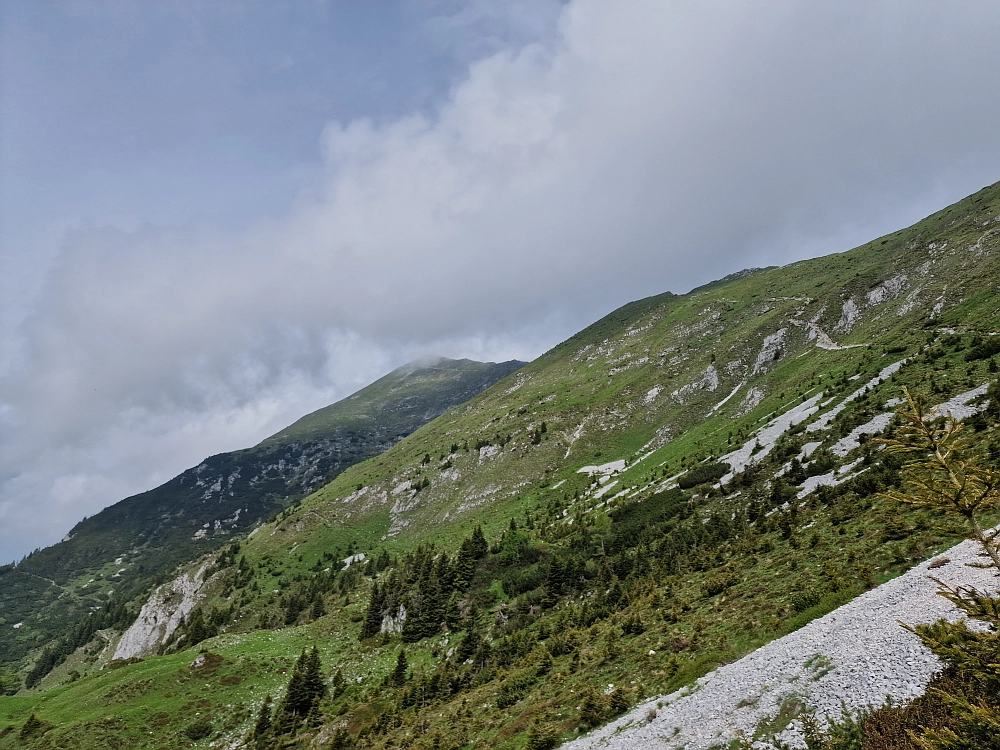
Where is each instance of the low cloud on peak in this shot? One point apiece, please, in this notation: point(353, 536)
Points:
point(633, 148)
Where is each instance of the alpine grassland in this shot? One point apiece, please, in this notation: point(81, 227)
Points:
point(66, 592)
point(683, 481)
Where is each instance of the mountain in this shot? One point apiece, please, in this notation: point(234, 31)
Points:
point(132, 543)
point(683, 481)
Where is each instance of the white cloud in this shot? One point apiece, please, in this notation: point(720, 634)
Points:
point(646, 146)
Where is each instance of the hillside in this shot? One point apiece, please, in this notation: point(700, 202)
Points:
point(687, 479)
point(132, 543)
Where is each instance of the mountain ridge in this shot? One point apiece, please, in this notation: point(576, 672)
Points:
point(141, 538)
point(686, 479)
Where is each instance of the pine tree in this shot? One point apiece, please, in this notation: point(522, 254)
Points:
point(373, 617)
point(556, 579)
point(479, 545)
point(318, 607)
point(312, 677)
point(618, 701)
point(465, 565)
point(339, 684)
point(946, 474)
point(262, 729)
point(305, 690)
point(341, 740)
point(399, 673)
point(469, 644)
point(452, 613)
point(592, 708)
point(432, 606)
point(542, 737)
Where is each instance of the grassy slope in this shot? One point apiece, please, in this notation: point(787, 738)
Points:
point(605, 394)
point(130, 544)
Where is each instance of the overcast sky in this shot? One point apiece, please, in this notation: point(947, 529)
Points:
point(216, 217)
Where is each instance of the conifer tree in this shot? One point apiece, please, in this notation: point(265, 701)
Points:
point(305, 690)
point(592, 708)
point(542, 737)
point(465, 565)
point(318, 607)
point(618, 701)
point(31, 727)
point(452, 613)
point(399, 673)
point(339, 684)
point(373, 617)
point(312, 677)
point(262, 729)
point(479, 544)
point(432, 609)
point(948, 475)
point(468, 646)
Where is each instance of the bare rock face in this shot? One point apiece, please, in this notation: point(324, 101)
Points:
point(161, 615)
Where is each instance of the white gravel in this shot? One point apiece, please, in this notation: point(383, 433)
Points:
point(852, 440)
point(856, 656)
point(764, 439)
point(884, 374)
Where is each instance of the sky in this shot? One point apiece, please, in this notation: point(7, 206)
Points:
point(217, 217)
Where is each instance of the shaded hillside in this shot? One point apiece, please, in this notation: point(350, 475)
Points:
point(683, 481)
point(131, 543)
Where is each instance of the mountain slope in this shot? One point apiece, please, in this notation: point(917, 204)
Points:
point(131, 543)
point(690, 373)
point(681, 482)
point(853, 658)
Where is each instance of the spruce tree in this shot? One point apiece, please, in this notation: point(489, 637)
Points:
point(262, 729)
point(452, 612)
point(373, 617)
point(312, 677)
point(339, 684)
point(542, 737)
point(469, 644)
point(465, 565)
point(399, 673)
point(432, 609)
point(618, 702)
point(318, 607)
point(479, 545)
point(305, 690)
point(592, 708)
point(32, 726)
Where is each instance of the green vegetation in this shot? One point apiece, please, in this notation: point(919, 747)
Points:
point(131, 546)
point(561, 544)
point(946, 472)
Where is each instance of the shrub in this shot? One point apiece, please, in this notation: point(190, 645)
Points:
point(985, 350)
point(514, 688)
point(703, 473)
point(618, 701)
point(199, 730)
point(542, 737)
point(633, 625)
point(592, 708)
point(803, 600)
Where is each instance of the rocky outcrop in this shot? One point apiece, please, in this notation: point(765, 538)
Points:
point(161, 615)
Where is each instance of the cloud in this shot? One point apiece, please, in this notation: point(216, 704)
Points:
point(642, 147)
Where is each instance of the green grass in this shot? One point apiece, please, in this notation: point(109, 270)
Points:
point(720, 602)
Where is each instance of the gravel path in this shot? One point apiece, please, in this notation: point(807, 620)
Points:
point(856, 655)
